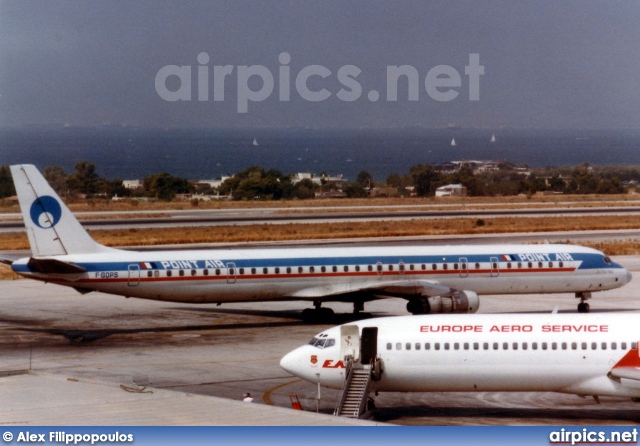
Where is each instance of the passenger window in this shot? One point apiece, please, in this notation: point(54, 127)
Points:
point(544, 346)
point(530, 265)
point(388, 345)
point(323, 269)
point(515, 346)
point(434, 267)
point(584, 346)
point(564, 346)
point(288, 270)
point(614, 346)
point(524, 346)
point(357, 268)
point(346, 269)
point(534, 346)
point(466, 346)
point(485, 345)
point(149, 273)
point(193, 272)
point(427, 346)
point(539, 264)
point(623, 346)
point(455, 266)
point(604, 346)
point(574, 346)
point(370, 267)
point(437, 346)
point(181, 273)
point(594, 346)
point(398, 346)
point(495, 265)
point(550, 264)
point(560, 264)
point(156, 273)
point(418, 346)
point(477, 266)
point(277, 270)
point(300, 270)
point(495, 346)
point(554, 346)
point(401, 267)
point(446, 346)
point(456, 346)
point(505, 346)
point(241, 271)
point(231, 271)
point(476, 346)
point(519, 265)
point(390, 267)
point(634, 346)
point(205, 272)
point(253, 270)
point(445, 266)
point(217, 271)
point(412, 267)
point(379, 267)
point(334, 269)
point(508, 265)
point(408, 346)
point(424, 267)
point(169, 273)
point(312, 269)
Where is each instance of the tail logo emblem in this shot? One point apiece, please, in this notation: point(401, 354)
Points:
point(45, 212)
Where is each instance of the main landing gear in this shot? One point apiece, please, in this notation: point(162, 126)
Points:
point(583, 306)
point(318, 314)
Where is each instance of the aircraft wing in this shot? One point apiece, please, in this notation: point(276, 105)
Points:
point(8, 260)
point(627, 370)
point(387, 289)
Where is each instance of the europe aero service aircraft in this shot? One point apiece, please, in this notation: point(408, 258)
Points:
point(432, 279)
point(587, 355)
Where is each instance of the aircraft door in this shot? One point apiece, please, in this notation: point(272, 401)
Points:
point(464, 267)
point(231, 272)
point(350, 342)
point(495, 267)
point(134, 275)
point(369, 344)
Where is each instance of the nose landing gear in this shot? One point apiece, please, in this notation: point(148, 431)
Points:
point(583, 306)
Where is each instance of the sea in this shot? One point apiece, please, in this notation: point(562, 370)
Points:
point(203, 154)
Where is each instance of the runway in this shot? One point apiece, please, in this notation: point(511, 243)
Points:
point(223, 217)
point(223, 352)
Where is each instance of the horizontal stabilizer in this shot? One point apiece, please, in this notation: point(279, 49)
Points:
point(53, 266)
point(7, 261)
point(627, 370)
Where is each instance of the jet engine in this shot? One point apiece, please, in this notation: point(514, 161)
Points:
point(458, 301)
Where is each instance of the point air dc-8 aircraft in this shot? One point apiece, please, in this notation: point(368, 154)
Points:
point(587, 355)
point(431, 279)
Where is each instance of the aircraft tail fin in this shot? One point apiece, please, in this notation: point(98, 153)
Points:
point(51, 227)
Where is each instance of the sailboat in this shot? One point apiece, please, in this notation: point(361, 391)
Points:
point(493, 138)
point(255, 142)
point(453, 142)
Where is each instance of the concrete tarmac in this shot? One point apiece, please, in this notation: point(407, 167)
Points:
point(111, 344)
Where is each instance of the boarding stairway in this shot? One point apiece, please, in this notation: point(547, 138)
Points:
point(355, 391)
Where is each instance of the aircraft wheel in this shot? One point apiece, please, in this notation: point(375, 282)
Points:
point(326, 314)
point(583, 307)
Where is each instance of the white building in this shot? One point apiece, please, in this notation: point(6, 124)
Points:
point(451, 190)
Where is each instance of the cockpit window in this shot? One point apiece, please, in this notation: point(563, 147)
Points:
point(607, 260)
point(322, 343)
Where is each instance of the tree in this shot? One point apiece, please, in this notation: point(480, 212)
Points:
point(6, 183)
point(165, 187)
point(304, 189)
point(56, 177)
point(85, 179)
point(425, 179)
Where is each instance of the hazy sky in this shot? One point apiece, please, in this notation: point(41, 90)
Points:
point(547, 64)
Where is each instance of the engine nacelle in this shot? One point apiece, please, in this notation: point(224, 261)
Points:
point(460, 301)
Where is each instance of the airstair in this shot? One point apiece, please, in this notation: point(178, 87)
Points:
point(355, 391)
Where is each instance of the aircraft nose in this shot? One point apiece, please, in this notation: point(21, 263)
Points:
point(291, 362)
point(628, 276)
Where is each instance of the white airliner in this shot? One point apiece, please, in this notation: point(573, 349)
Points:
point(584, 354)
point(431, 279)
